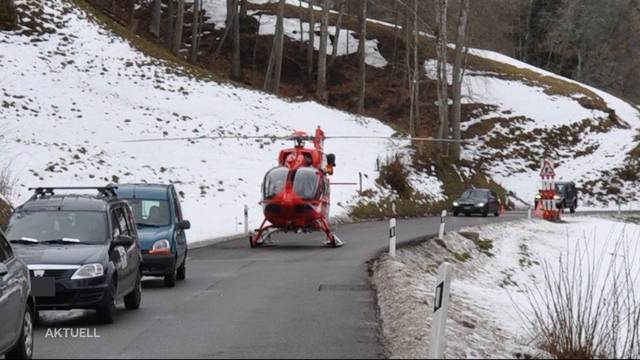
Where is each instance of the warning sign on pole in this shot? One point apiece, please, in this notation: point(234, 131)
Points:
point(548, 191)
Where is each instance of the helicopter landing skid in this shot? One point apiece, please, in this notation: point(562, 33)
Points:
point(332, 240)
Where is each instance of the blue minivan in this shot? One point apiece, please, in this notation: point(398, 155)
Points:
point(161, 229)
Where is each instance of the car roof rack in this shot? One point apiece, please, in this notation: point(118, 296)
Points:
point(106, 191)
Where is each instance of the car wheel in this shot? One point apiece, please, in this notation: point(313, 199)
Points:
point(170, 278)
point(106, 312)
point(182, 270)
point(24, 347)
point(496, 214)
point(133, 299)
point(455, 213)
point(485, 214)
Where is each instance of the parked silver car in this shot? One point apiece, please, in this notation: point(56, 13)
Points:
point(16, 305)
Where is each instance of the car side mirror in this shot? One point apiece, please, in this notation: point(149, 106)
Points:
point(184, 225)
point(122, 240)
point(3, 269)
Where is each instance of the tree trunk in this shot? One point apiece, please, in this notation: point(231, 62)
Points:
point(321, 88)
point(527, 33)
point(312, 39)
point(236, 73)
point(458, 65)
point(416, 70)
point(274, 68)
point(394, 56)
point(177, 36)
point(171, 11)
point(156, 14)
point(243, 9)
point(195, 30)
point(301, 16)
point(336, 39)
point(131, 12)
point(442, 78)
point(362, 66)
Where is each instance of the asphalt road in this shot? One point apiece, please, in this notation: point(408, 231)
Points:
point(296, 299)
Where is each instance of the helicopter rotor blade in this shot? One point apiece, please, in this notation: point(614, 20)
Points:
point(423, 139)
point(226, 137)
point(292, 137)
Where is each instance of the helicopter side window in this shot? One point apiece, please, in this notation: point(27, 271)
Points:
point(274, 181)
point(305, 183)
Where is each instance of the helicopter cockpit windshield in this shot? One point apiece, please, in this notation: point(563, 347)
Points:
point(274, 181)
point(305, 183)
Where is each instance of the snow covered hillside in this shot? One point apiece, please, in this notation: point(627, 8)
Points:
point(499, 283)
point(71, 92)
point(515, 113)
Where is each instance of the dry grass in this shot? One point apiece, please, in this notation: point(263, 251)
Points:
point(587, 305)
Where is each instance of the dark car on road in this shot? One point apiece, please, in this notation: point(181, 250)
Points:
point(477, 201)
point(82, 250)
point(161, 227)
point(566, 196)
point(16, 305)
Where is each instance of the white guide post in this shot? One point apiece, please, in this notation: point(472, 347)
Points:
point(440, 309)
point(246, 219)
point(443, 217)
point(392, 238)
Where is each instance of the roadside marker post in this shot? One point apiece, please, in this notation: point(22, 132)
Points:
point(440, 310)
point(443, 217)
point(360, 180)
point(246, 219)
point(529, 213)
point(392, 238)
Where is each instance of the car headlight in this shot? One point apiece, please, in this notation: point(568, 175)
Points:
point(556, 197)
point(538, 196)
point(480, 204)
point(88, 271)
point(161, 247)
point(455, 203)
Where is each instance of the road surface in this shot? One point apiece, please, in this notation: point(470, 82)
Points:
point(297, 299)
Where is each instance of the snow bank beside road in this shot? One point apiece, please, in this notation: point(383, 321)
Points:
point(486, 295)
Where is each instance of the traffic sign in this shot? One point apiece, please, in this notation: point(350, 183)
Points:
point(547, 169)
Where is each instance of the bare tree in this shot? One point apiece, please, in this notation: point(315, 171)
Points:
point(311, 46)
point(236, 63)
point(171, 13)
point(156, 14)
point(274, 68)
point(442, 78)
point(131, 12)
point(177, 36)
point(321, 87)
point(362, 66)
point(458, 74)
point(336, 38)
point(195, 30)
point(414, 112)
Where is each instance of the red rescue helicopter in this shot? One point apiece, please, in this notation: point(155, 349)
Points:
point(296, 194)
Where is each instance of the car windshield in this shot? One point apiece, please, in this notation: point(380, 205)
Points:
point(87, 227)
point(274, 181)
point(305, 183)
point(153, 213)
point(475, 194)
point(560, 188)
